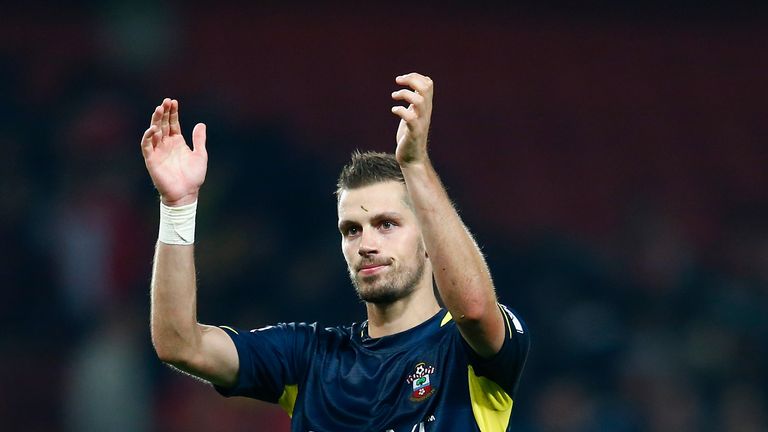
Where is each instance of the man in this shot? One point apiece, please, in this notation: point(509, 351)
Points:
point(412, 366)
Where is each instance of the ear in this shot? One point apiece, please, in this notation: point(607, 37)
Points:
point(424, 246)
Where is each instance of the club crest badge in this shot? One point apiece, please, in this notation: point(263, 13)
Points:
point(420, 382)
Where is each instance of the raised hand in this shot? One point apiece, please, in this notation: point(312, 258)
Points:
point(176, 171)
point(414, 121)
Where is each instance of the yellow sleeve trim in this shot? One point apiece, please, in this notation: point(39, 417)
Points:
point(446, 319)
point(288, 399)
point(491, 405)
point(230, 329)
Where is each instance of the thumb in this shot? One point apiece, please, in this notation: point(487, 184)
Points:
point(198, 138)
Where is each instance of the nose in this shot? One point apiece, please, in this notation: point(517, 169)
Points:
point(368, 243)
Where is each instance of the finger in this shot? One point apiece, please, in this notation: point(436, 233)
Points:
point(198, 138)
point(165, 125)
point(175, 127)
point(157, 138)
point(420, 83)
point(146, 142)
point(157, 116)
point(404, 113)
point(409, 96)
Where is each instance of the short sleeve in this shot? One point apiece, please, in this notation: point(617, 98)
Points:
point(506, 366)
point(271, 358)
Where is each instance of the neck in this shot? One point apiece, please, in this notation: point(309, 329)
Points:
point(406, 313)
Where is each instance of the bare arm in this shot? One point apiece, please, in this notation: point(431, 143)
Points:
point(178, 173)
point(460, 270)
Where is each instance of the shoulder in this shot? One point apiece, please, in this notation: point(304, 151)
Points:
point(292, 330)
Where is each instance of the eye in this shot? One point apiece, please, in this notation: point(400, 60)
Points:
point(387, 225)
point(351, 231)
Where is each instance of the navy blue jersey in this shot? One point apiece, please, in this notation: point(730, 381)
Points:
point(423, 379)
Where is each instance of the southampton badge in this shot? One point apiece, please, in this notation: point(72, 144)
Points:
point(422, 387)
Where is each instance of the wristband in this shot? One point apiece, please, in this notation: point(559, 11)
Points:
point(177, 224)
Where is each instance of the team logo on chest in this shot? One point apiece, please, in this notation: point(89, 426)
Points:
point(419, 379)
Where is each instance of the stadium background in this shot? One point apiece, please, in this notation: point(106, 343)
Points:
point(610, 160)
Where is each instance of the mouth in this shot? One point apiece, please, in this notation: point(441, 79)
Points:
point(370, 269)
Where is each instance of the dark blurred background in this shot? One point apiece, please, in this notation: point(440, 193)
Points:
point(611, 161)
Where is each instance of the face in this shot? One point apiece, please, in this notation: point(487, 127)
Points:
point(381, 242)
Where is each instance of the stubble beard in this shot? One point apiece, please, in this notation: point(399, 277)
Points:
point(396, 284)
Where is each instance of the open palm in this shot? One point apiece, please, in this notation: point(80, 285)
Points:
point(176, 170)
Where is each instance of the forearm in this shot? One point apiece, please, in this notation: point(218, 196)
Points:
point(175, 332)
point(460, 271)
point(178, 173)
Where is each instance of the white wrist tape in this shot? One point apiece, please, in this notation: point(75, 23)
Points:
point(177, 224)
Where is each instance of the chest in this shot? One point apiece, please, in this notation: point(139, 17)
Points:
point(350, 388)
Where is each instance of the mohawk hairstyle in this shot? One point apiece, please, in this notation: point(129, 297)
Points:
point(368, 168)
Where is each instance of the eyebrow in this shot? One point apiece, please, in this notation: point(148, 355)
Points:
point(346, 223)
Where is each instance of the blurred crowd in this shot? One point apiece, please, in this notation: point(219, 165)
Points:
point(643, 275)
